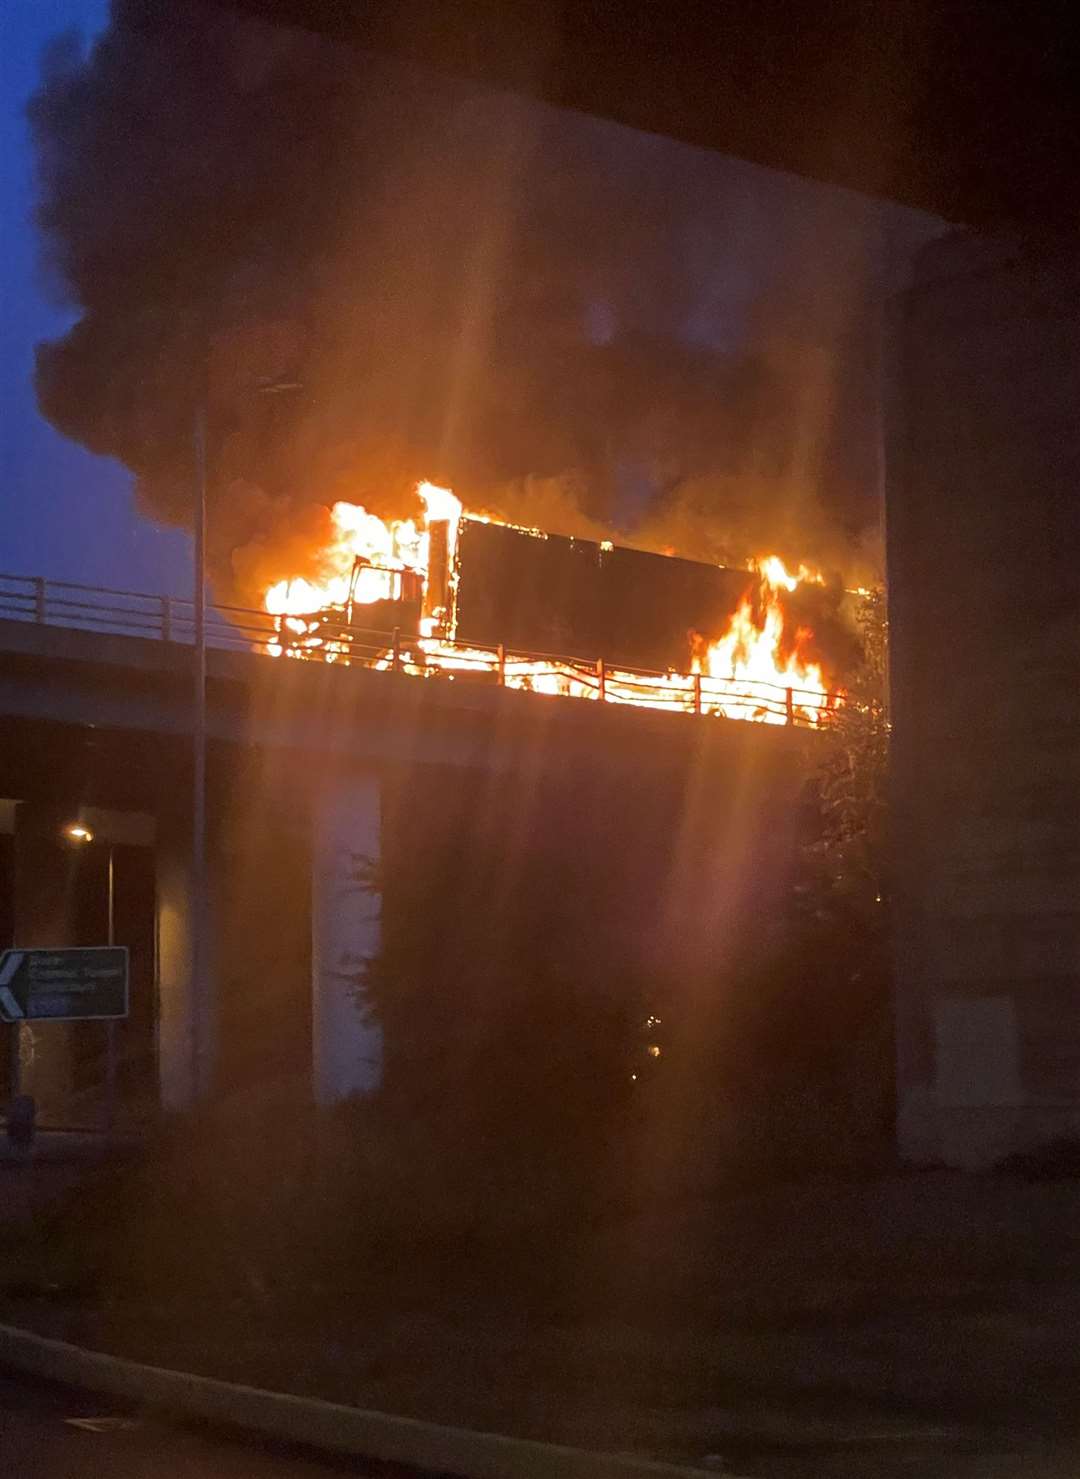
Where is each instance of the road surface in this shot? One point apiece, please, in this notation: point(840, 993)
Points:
point(49, 1433)
point(52, 1433)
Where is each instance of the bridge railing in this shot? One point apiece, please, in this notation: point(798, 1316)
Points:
point(110, 611)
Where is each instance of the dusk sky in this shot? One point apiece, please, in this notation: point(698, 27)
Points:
point(67, 515)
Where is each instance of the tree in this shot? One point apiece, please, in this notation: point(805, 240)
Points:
point(818, 1037)
point(844, 880)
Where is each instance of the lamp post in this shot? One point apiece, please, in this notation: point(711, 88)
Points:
point(199, 910)
point(110, 1026)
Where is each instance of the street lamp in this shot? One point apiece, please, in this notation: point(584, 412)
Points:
point(199, 944)
point(79, 835)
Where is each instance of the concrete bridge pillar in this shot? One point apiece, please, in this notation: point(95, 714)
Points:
point(984, 546)
point(52, 887)
point(347, 1045)
point(187, 1019)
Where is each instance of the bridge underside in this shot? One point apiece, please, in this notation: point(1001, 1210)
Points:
point(967, 112)
point(498, 829)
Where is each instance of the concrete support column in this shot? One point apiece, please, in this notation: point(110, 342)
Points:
point(187, 1027)
point(347, 1045)
point(49, 875)
point(985, 629)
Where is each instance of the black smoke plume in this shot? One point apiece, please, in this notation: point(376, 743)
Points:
point(567, 322)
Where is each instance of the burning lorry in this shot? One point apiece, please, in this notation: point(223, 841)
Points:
point(465, 595)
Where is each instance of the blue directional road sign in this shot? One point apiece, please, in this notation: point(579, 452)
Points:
point(64, 985)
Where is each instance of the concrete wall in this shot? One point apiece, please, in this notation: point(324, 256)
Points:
point(46, 895)
point(261, 809)
point(61, 892)
point(984, 564)
point(680, 822)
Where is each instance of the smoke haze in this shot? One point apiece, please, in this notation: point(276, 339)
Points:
point(572, 324)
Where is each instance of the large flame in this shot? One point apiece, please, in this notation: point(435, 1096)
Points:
point(365, 559)
point(756, 649)
point(756, 669)
point(772, 569)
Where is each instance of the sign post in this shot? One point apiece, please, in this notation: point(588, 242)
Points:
point(80, 985)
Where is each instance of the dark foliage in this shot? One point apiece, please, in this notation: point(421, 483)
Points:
point(821, 1014)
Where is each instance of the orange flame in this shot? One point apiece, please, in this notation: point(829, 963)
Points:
point(364, 561)
point(771, 568)
point(753, 670)
point(752, 652)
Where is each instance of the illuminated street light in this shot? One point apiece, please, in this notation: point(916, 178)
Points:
point(76, 832)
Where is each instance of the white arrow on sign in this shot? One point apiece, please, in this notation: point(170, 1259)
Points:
point(11, 962)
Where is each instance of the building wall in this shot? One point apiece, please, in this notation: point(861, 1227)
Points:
point(984, 555)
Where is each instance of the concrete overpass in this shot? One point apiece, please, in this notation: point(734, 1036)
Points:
point(972, 112)
point(317, 771)
point(967, 111)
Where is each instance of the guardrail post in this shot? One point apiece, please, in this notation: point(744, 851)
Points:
point(395, 663)
point(39, 598)
point(601, 673)
point(789, 704)
point(166, 619)
point(501, 655)
point(697, 693)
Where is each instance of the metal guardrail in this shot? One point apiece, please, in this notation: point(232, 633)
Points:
point(171, 619)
